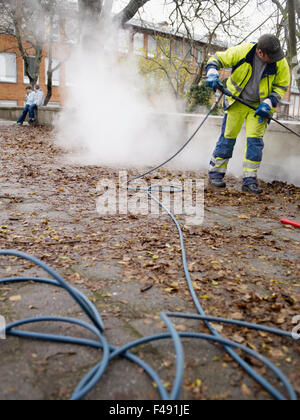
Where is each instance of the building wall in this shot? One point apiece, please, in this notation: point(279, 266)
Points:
point(124, 44)
point(16, 91)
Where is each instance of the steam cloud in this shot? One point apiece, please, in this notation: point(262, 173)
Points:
point(108, 120)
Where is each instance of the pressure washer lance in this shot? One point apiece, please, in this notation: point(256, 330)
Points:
point(226, 92)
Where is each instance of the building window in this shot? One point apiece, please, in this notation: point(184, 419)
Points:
point(164, 47)
point(292, 105)
point(199, 55)
point(152, 46)
point(178, 48)
point(8, 68)
point(8, 103)
point(55, 74)
point(188, 57)
point(123, 41)
point(138, 43)
point(294, 83)
point(70, 74)
point(31, 69)
point(297, 107)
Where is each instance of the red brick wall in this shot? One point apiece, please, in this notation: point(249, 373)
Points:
point(16, 91)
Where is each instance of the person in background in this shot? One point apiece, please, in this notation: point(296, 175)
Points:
point(39, 101)
point(29, 106)
point(261, 76)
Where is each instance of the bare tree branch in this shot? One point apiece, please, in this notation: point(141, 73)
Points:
point(130, 11)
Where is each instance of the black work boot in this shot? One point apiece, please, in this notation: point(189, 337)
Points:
point(218, 183)
point(252, 188)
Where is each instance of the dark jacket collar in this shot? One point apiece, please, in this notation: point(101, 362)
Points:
point(270, 68)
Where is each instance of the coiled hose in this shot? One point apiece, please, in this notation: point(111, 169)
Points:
point(109, 352)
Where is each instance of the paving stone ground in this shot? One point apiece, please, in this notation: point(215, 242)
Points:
point(242, 259)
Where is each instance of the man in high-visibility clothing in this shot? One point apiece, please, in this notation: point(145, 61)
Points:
point(261, 76)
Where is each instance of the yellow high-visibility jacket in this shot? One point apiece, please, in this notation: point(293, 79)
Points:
point(275, 80)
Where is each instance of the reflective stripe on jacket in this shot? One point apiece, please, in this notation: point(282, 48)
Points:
point(275, 79)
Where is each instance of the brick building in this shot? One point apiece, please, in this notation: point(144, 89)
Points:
point(141, 37)
point(12, 74)
point(137, 37)
point(39, 29)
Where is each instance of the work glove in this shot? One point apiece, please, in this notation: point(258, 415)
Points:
point(263, 111)
point(212, 79)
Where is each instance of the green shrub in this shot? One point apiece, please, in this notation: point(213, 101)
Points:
point(198, 95)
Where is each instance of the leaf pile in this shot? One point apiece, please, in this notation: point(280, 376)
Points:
point(244, 264)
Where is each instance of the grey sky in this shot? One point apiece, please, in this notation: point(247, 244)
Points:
point(158, 11)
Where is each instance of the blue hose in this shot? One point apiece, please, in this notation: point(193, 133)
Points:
point(268, 387)
point(110, 352)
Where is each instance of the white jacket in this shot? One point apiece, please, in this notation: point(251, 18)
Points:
point(30, 98)
point(39, 97)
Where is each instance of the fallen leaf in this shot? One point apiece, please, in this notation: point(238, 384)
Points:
point(245, 390)
point(181, 328)
point(238, 316)
point(238, 339)
point(15, 298)
point(206, 297)
point(243, 216)
point(218, 327)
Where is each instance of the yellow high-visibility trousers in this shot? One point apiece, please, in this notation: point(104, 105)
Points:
point(232, 125)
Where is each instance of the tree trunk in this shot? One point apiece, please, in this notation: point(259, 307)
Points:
point(90, 12)
point(292, 29)
point(50, 62)
point(38, 48)
point(293, 59)
point(49, 87)
point(130, 10)
point(37, 64)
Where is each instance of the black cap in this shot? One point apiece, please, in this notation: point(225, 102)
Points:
point(270, 45)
